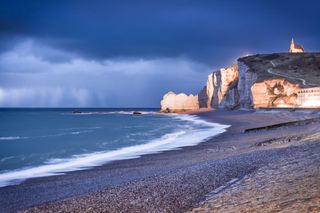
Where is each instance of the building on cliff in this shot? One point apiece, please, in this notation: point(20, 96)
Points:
point(295, 48)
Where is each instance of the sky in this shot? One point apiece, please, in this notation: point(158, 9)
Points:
point(101, 53)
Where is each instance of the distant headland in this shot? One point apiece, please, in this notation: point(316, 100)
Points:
point(277, 80)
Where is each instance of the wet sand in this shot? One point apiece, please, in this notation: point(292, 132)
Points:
point(186, 179)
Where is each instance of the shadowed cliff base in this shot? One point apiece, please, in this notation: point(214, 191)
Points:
point(176, 181)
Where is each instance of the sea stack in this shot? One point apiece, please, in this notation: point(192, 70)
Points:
point(176, 103)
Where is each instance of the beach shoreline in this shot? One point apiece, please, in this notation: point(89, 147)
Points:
point(172, 181)
point(150, 132)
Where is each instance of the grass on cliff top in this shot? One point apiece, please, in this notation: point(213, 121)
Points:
point(294, 65)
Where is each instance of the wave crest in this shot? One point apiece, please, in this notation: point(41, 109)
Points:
point(10, 138)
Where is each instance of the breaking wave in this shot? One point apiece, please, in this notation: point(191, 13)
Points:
point(10, 138)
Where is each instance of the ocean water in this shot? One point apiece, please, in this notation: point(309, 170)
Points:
point(44, 142)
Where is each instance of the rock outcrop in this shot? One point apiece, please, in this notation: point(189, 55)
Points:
point(206, 94)
point(227, 95)
point(274, 93)
point(221, 89)
point(172, 102)
point(246, 80)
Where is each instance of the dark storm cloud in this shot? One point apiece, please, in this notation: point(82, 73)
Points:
point(204, 30)
point(129, 53)
point(28, 78)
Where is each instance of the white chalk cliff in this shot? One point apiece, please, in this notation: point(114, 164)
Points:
point(274, 93)
point(221, 89)
point(252, 83)
point(172, 102)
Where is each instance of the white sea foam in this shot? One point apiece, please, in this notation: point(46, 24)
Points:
point(6, 158)
point(181, 138)
point(116, 112)
point(10, 138)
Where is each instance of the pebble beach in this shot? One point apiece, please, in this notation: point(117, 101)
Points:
point(270, 169)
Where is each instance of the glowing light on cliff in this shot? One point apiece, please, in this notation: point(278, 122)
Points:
point(283, 105)
point(246, 54)
point(311, 103)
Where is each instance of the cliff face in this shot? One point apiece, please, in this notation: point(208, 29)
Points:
point(275, 93)
point(271, 80)
point(172, 102)
point(274, 80)
point(246, 80)
point(221, 89)
point(266, 92)
point(205, 96)
point(228, 94)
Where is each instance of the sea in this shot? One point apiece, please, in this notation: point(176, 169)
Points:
point(38, 142)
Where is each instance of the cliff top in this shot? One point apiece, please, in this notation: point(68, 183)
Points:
point(301, 68)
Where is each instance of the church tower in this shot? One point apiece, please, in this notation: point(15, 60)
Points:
point(292, 44)
point(295, 48)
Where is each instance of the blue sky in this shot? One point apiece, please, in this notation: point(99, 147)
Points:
point(129, 53)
